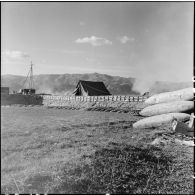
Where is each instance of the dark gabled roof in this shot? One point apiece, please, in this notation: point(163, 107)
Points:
point(91, 88)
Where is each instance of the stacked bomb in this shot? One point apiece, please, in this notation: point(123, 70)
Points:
point(164, 107)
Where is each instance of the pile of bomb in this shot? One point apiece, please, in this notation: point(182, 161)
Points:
point(165, 107)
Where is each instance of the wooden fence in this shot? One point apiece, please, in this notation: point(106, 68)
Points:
point(120, 98)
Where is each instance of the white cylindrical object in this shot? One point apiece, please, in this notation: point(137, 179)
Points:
point(158, 120)
point(163, 108)
point(183, 94)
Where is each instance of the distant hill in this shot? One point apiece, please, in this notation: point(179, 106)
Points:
point(64, 84)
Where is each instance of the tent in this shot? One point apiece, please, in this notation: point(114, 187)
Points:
point(90, 88)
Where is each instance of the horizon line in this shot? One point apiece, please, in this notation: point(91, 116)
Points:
point(100, 74)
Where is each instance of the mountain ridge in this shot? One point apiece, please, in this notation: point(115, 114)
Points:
point(64, 84)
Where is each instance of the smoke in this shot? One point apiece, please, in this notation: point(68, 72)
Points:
point(51, 90)
point(54, 84)
point(44, 88)
point(154, 87)
point(142, 86)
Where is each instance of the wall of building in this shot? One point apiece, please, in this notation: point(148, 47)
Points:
point(5, 90)
point(21, 99)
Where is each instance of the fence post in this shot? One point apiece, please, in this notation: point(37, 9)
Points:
point(140, 99)
point(135, 99)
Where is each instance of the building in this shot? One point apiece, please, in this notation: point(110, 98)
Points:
point(4, 90)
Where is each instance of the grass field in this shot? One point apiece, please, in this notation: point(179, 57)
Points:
point(66, 151)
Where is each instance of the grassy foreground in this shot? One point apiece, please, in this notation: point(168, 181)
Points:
point(63, 151)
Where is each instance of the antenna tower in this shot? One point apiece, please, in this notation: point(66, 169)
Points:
point(31, 83)
point(30, 77)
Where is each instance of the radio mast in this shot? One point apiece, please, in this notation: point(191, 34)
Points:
point(31, 82)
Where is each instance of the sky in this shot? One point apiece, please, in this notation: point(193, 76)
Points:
point(146, 40)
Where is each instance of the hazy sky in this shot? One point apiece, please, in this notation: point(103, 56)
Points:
point(149, 40)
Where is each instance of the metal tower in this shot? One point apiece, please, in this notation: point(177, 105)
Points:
point(29, 83)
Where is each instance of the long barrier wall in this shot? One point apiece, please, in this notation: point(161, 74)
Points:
point(121, 98)
point(63, 100)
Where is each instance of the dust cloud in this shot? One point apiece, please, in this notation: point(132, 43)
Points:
point(143, 86)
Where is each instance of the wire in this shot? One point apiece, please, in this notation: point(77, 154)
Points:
point(26, 79)
point(31, 81)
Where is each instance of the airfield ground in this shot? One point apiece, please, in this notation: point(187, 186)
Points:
point(73, 151)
